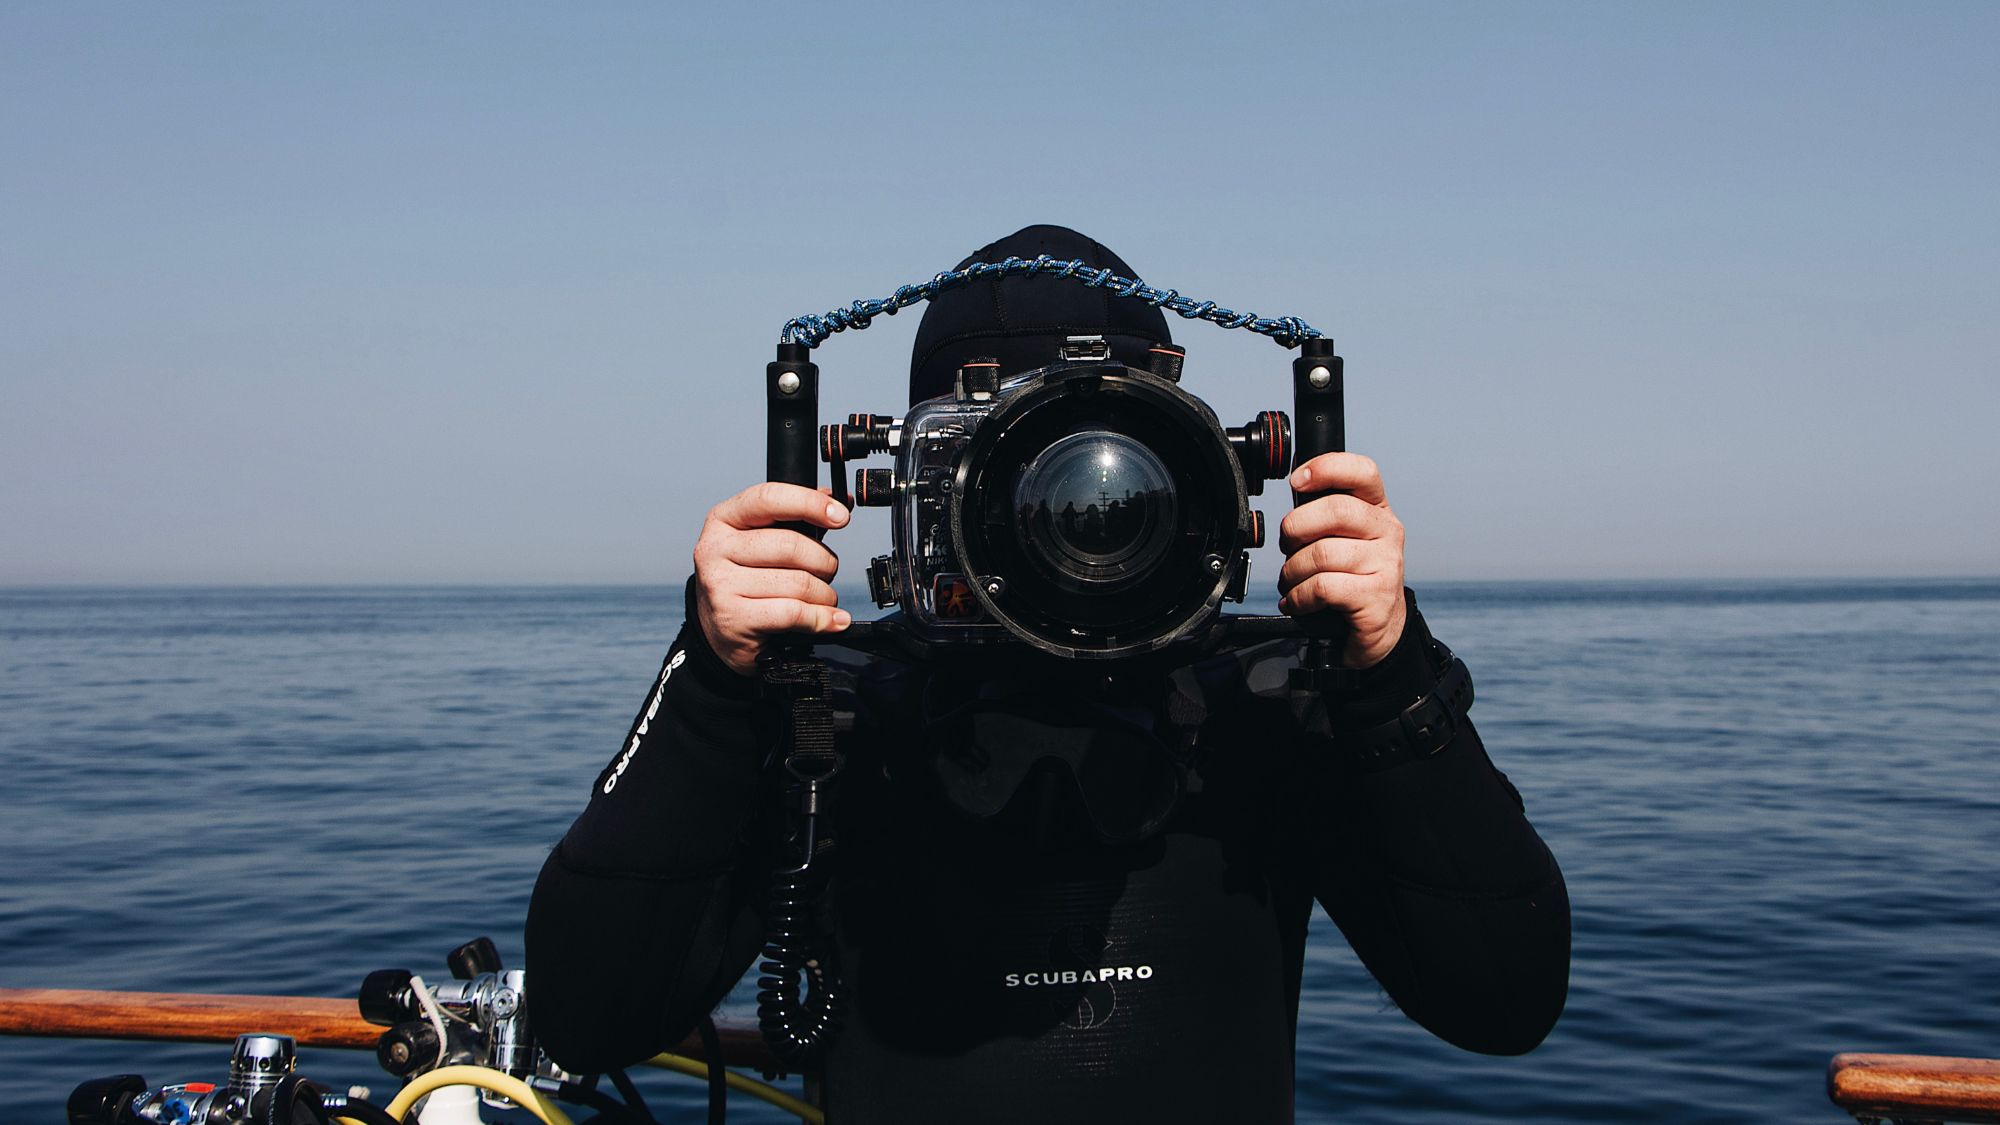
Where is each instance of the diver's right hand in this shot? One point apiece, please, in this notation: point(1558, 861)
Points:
point(754, 580)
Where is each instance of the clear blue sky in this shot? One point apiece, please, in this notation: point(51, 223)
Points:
point(482, 292)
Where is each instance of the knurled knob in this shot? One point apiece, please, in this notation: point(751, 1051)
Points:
point(874, 488)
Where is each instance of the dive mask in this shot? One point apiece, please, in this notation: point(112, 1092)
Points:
point(982, 752)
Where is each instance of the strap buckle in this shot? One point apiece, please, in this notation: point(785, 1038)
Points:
point(814, 790)
point(1428, 725)
point(1423, 728)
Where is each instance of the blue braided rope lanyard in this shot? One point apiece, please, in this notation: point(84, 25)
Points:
point(1288, 331)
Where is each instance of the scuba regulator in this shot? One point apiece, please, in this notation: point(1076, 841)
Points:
point(457, 1035)
point(1086, 514)
point(478, 1018)
point(262, 1089)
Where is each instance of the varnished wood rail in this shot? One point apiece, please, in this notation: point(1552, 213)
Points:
point(201, 1018)
point(1916, 1087)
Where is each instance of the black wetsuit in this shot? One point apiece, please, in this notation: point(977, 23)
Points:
point(1018, 969)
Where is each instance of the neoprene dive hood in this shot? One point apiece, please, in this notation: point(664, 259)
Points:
point(1020, 321)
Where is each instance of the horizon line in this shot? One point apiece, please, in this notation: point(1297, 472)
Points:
point(841, 586)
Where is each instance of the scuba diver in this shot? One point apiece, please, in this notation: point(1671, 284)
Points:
point(1028, 931)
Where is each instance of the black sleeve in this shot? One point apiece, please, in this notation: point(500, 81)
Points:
point(651, 906)
point(1433, 873)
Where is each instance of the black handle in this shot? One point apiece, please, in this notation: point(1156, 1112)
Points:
point(1319, 425)
point(1319, 416)
point(791, 389)
point(791, 396)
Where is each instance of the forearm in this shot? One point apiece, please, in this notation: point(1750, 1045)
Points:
point(640, 911)
point(1453, 902)
point(624, 967)
point(1435, 875)
point(677, 797)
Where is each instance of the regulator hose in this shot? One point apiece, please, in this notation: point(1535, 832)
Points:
point(695, 1068)
point(500, 1082)
point(635, 1106)
point(356, 1111)
point(293, 1092)
point(610, 1110)
point(718, 1086)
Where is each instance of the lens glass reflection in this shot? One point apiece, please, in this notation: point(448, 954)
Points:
point(1096, 506)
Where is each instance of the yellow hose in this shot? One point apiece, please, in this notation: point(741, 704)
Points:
point(684, 1065)
point(500, 1082)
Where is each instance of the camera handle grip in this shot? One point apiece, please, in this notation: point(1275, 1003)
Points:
point(1319, 425)
point(791, 397)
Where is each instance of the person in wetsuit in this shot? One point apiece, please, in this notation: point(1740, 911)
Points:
point(1029, 965)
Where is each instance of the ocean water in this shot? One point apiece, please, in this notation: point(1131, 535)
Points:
point(1777, 804)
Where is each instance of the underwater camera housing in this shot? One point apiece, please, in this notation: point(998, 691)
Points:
point(1092, 510)
point(1084, 511)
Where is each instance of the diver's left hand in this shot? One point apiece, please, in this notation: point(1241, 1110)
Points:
point(1344, 552)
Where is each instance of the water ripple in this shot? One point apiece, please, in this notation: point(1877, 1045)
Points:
point(1775, 803)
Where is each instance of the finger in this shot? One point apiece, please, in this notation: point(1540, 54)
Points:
point(1344, 472)
point(772, 502)
point(1348, 517)
point(1328, 590)
point(775, 547)
point(768, 616)
point(1342, 556)
point(760, 582)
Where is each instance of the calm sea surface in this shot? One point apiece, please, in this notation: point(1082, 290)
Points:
point(1778, 806)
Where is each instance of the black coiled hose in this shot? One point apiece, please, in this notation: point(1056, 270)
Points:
point(797, 1029)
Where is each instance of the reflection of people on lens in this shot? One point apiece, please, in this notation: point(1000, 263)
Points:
point(1121, 520)
point(1117, 509)
point(1058, 897)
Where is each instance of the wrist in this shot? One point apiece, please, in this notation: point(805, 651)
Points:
point(1364, 653)
point(715, 673)
point(1382, 690)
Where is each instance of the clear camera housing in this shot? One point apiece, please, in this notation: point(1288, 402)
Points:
point(1091, 509)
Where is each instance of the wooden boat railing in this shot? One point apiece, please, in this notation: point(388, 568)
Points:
point(313, 1021)
point(1915, 1088)
point(1873, 1088)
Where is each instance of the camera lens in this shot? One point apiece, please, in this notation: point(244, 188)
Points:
point(1089, 505)
point(1096, 507)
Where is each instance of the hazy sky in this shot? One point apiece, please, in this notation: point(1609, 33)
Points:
point(483, 292)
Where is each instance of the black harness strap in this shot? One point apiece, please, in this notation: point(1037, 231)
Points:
point(804, 686)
